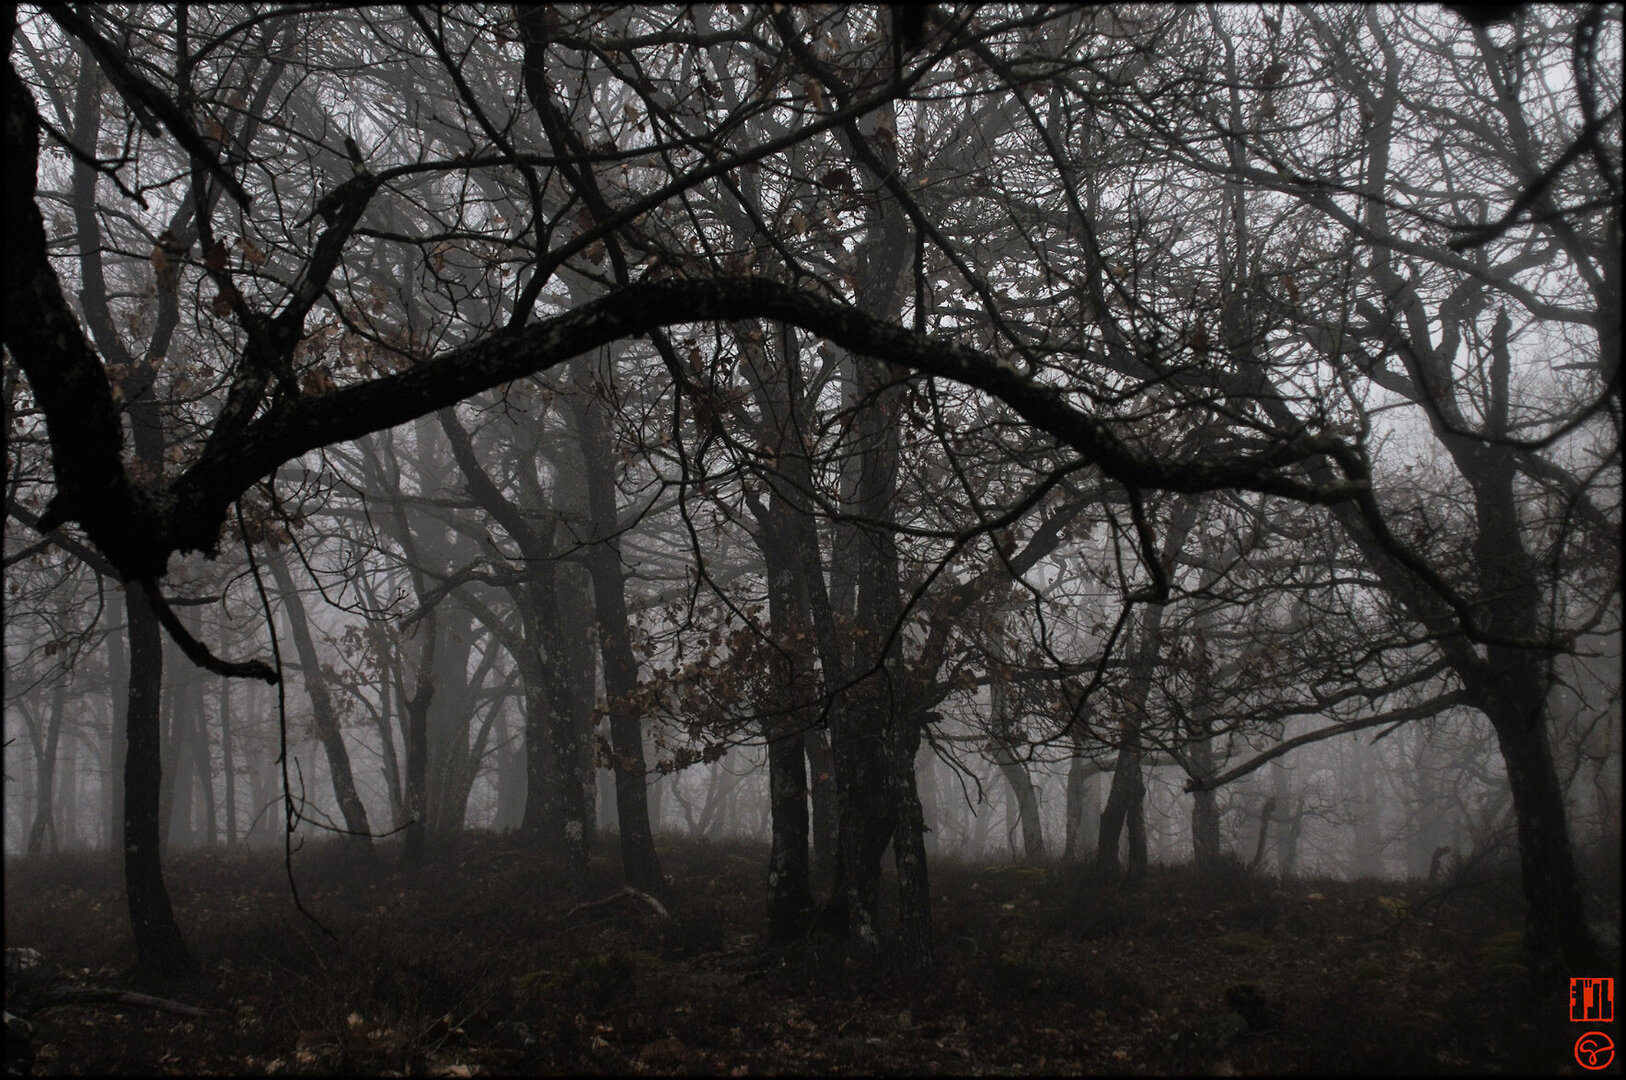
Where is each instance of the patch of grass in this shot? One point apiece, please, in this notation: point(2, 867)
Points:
point(1241, 943)
point(1505, 948)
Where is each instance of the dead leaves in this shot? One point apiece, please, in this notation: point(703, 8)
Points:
point(168, 275)
point(837, 178)
point(169, 252)
point(225, 301)
point(815, 93)
point(317, 381)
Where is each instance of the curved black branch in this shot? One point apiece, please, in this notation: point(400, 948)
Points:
point(203, 492)
point(199, 653)
point(1432, 707)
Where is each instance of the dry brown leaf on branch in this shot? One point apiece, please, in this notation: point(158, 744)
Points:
point(225, 300)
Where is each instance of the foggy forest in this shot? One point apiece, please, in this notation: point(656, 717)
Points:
point(738, 539)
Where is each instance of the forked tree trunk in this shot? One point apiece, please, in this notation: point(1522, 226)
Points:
point(1124, 794)
point(45, 771)
point(324, 717)
point(1205, 816)
point(1024, 795)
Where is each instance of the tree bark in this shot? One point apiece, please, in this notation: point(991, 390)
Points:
point(324, 718)
point(790, 891)
point(569, 792)
point(821, 769)
point(160, 952)
point(790, 888)
point(228, 762)
point(1126, 791)
point(45, 771)
point(1264, 833)
point(1556, 930)
point(916, 940)
point(1024, 795)
point(639, 862)
point(1081, 774)
point(118, 677)
point(875, 736)
point(202, 765)
point(416, 710)
point(1205, 816)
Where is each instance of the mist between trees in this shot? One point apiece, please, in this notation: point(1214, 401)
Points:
point(1141, 434)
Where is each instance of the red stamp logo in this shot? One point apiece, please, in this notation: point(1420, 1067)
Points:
point(1592, 1001)
point(1594, 1050)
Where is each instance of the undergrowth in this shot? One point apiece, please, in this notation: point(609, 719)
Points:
point(480, 963)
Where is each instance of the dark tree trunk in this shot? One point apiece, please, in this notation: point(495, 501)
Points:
point(201, 766)
point(174, 792)
point(446, 779)
point(639, 862)
point(1072, 840)
point(556, 795)
point(539, 817)
point(572, 801)
point(416, 708)
point(45, 771)
point(1135, 831)
point(826, 813)
point(1513, 691)
point(1205, 816)
point(1081, 800)
point(1264, 833)
point(160, 952)
point(783, 523)
point(931, 806)
point(228, 762)
point(118, 675)
point(510, 779)
point(385, 725)
point(790, 892)
point(1556, 929)
point(1205, 828)
point(568, 794)
point(1024, 795)
point(1126, 801)
point(916, 947)
point(1288, 856)
point(790, 888)
point(865, 821)
point(1125, 792)
point(324, 718)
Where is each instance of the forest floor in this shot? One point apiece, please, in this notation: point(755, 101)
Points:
point(478, 965)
